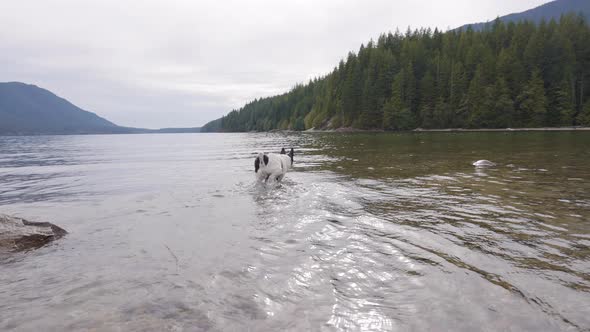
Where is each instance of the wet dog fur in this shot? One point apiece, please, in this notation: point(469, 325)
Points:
point(272, 167)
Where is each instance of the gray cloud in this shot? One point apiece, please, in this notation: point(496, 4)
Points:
point(181, 63)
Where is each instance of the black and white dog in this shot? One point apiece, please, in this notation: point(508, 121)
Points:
point(273, 167)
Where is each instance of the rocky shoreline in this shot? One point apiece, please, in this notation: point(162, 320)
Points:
point(448, 130)
point(505, 129)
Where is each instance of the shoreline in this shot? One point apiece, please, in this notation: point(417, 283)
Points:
point(504, 129)
point(448, 130)
point(346, 130)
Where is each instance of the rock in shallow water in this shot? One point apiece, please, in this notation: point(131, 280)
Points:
point(20, 234)
point(483, 163)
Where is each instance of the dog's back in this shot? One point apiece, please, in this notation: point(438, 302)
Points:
point(273, 165)
point(286, 162)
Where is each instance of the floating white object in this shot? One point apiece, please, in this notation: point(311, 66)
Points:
point(483, 163)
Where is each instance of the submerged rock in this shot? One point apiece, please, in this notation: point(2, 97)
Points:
point(20, 234)
point(483, 163)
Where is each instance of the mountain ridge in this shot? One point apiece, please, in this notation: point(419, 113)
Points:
point(27, 109)
point(548, 11)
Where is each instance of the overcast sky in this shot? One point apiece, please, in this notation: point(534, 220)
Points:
point(182, 63)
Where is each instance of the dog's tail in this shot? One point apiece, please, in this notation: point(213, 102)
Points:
point(291, 154)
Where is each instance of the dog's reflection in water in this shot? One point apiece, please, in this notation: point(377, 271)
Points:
point(271, 168)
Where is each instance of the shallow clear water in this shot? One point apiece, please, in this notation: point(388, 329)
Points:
point(370, 232)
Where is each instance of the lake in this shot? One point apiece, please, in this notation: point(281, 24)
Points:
point(369, 232)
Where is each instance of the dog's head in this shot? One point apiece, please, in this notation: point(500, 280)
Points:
point(260, 161)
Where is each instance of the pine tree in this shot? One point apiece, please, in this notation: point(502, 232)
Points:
point(458, 85)
point(395, 102)
point(583, 118)
point(503, 110)
point(410, 93)
point(476, 102)
point(532, 110)
point(562, 108)
point(427, 97)
point(441, 115)
point(351, 92)
point(396, 113)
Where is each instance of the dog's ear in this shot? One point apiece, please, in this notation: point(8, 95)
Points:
point(256, 165)
point(283, 151)
point(265, 159)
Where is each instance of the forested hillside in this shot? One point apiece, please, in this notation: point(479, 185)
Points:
point(512, 75)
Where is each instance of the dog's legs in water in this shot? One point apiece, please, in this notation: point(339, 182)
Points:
point(274, 178)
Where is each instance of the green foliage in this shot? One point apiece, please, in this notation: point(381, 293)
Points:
point(501, 114)
point(533, 103)
point(562, 109)
point(299, 124)
point(583, 118)
point(515, 75)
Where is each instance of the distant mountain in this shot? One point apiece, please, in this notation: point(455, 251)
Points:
point(29, 110)
point(548, 11)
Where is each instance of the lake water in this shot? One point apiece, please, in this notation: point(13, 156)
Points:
point(370, 232)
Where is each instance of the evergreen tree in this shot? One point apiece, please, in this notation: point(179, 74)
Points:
point(427, 96)
point(441, 115)
point(396, 113)
point(395, 102)
point(476, 102)
point(562, 108)
point(351, 92)
point(583, 118)
point(533, 102)
point(503, 105)
point(458, 85)
point(410, 88)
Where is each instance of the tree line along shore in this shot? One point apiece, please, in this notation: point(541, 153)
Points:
point(515, 75)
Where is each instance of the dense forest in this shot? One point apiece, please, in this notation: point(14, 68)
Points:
point(510, 75)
